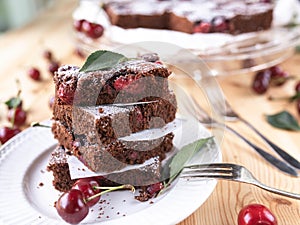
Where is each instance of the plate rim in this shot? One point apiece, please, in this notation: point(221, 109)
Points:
point(11, 146)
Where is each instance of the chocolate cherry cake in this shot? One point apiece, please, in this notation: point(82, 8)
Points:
point(190, 16)
point(114, 155)
point(63, 182)
point(94, 110)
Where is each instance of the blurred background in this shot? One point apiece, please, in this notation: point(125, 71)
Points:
point(15, 13)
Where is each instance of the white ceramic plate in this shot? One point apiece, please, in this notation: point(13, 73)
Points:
point(27, 195)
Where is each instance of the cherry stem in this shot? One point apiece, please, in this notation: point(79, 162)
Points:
point(291, 77)
point(12, 120)
point(286, 98)
point(109, 189)
point(37, 124)
point(272, 98)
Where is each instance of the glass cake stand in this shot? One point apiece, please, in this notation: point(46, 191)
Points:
point(229, 55)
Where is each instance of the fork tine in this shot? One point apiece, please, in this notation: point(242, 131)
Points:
point(221, 171)
point(228, 171)
point(200, 175)
point(227, 166)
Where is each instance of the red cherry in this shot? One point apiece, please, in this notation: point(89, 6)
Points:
point(71, 207)
point(34, 73)
point(276, 70)
point(202, 27)
point(65, 94)
point(7, 133)
point(219, 24)
point(86, 185)
point(297, 87)
point(261, 81)
point(155, 188)
point(47, 54)
point(298, 106)
point(77, 24)
point(278, 76)
point(92, 30)
point(53, 67)
point(138, 116)
point(19, 116)
point(128, 84)
point(256, 214)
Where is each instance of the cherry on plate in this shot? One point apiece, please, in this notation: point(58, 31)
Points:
point(71, 207)
point(7, 133)
point(86, 186)
point(18, 115)
point(256, 214)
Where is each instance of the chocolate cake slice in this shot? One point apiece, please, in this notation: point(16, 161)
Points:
point(129, 81)
point(59, 166)
point(109, 122)
point(112, 156)
point(62, 180)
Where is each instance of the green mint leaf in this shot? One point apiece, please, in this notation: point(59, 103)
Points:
point(283, 120)
point(297, 49)
point(175, 165)
point(295, 97)
point(13, 102)
point(102, 60)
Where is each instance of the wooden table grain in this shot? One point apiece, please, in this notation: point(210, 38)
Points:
point(22, 48)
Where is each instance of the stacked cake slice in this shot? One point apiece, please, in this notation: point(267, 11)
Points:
point(94, 111)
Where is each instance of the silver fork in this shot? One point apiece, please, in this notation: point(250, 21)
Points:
point(228, 171)
point(191, 105)
point(231, 115)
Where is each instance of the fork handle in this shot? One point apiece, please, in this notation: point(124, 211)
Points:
point(270, 158)
point(287, 157)
point(277, 191)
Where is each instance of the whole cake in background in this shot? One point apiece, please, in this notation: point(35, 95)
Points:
point(192, 16)
point(188, 16)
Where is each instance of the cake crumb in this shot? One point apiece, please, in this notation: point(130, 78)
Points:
point(41, 184)
point(101, 110)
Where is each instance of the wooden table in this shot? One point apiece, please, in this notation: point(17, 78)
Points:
point(23, 48)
